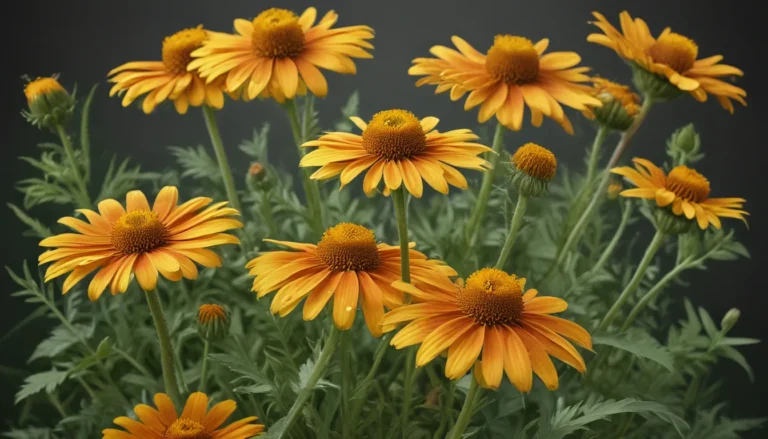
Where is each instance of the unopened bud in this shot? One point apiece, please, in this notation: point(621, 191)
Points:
point(49, 103)
point(213, 322)
point(531, 168)
point(730, 319)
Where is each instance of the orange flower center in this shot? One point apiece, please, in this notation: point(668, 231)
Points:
point(277, 34)
point(513, 60)
point(394, 134)
point(183, 428)
point(211, 312)
point(348, 247)
point(674, 50)
point(536, 161)
point(609, 91)
point(178, 47)
point(492, 297)
point(688, 184)
point(41, 86)
point(139, 231)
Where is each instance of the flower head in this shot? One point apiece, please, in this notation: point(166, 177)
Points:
point(194, 422)
point(348, 265)
point(168, 79)
point(213, 322)
point(277, 54)
point(139, 240)
point(667, 65)
point(400, 149)
point(490, 315)
point(514, 73)
point(684, 189)
point(48, 102)
point(620, 104)
point(614, 189)
point(532, 167)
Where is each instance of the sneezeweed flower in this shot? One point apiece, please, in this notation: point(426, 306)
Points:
point(531, 169)
point(347, 265)
point(399, 149)
point(168, 79)
point(490, 315)
point(515, 73)
point(278, 53)
point(139, 240)
point(49, 103)
point(614, 189)
point(683, 189)
point(213, 322)
point(620, 105)
point(194, 422)
point(667, 66)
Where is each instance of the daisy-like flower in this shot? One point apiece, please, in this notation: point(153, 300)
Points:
point(490, 316)
point(278, 53)
point(684, 189)
point(195, 421)
point(671, 56)
point(139, 240)
point(515, 73)
point(168, 79)
point(400, 149)
point(347, 265)
point(620, 104)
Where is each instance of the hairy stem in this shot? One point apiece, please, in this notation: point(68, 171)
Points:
point(466, 412)
point(476, 219)
point(517, 220)
point(84, 201)
point(166, 350)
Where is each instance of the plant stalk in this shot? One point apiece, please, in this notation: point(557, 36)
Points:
point(166, 350)
point(517, 221)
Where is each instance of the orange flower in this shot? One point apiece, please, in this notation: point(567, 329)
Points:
point(139, 240)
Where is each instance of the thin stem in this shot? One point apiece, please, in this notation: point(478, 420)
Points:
point(594, 155)
point(466, 412)
point(83, 199)
point(87, 388)
point(221, 157)
point(266, 213)
point(57, 404)
point(398, 199)
point(410, 364)
point(204, 367)
point(476, 219)
point(346, 386)
point(362, 390)
point(626, 212)
point(650, 252)
point(446, 412)
point(652, 293)
point(166, 350)
point(317, 373)
point(517, 220)
point(127, 357)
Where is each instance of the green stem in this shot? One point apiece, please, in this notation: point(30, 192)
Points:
point(626, 211)
point(594, 155)
point(466, 412)
point(166, 350)
point(87, 388)
point(346, 386)
point(221, 157)
point(204, 367)
point(476, 219)
point(127, 357)
point(650, 252)
point(311, 188)
point(378, 356)
point(652, 293)
point(446, 412)
point(517, 220)
point(410, 364)
point(317, 373)
point(83, 199)
point(57, 404)
point(266, 213)
point(401, 214)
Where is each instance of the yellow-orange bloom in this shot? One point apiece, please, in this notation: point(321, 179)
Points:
point(194, 422)
point(139, 240)
point(684, 189)
point(514, 73)
point(169, 78)
point(347, 265)
point(490, 316)
point(277, 54)
point(42, 87)
point(400, 149)
point(671, 55)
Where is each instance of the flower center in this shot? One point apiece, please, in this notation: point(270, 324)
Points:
point(277, 34)
point(536, 161)
point(183, 428)
point(609, 91)
point(674, 50)
point(394, 134)
point(348, 247)
point(492, 297)
point(138, 232)
point(178, 47)
point(211, 312)
point(513, 60)
point(688, 184)
point(41, 86)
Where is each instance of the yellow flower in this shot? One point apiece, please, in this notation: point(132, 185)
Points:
point(491, 316)
point(400, 148)
point(139, 240)
point(620, 104)
point(684, 189)
point(672, 56)
point(347, 265)
point(514, 73)
point(195, 421)
point(278, 54)
point(42, 87)
point(169, 78)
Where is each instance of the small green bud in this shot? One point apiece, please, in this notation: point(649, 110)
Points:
point(213, 322)
point(730, 319)
point(49, 103)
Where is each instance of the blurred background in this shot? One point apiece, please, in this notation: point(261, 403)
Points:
point(83, 40)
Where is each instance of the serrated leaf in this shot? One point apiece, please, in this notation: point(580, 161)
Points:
point(61, 339)
point(305, 371)
point(47, 381)
point(638, 343)
point(253, 388)
point(39, 229)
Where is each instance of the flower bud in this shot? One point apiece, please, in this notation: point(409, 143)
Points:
point(49, 103)
point(730, 319)
point(213, 322)
point(614, 189)
point(531, 169)
point(620, 105)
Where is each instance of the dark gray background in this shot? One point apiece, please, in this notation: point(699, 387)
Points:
point(84, 39)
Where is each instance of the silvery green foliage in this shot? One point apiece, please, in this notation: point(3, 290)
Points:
point(652, 381)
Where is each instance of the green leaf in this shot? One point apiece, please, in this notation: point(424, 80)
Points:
point(29, 433)
point(733, 354)
point(257, 146)
point(60, 340)
point(47, 381)
point(737, 341)
point(253, 388)
point(638, 343)
point(196, 162)
point(350, 108)
point(305, 371)
point(85, 137)
point(38, 229)
point(709, 324)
